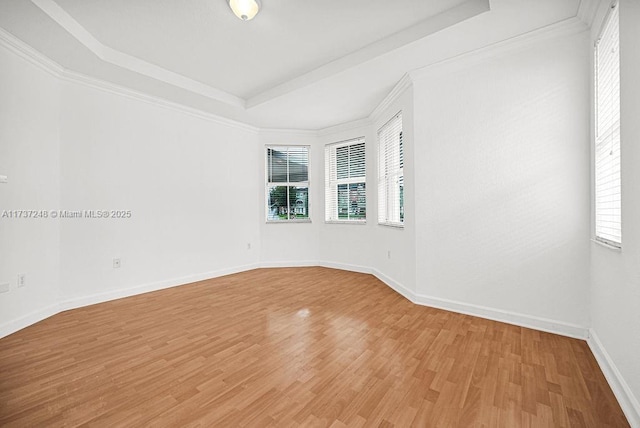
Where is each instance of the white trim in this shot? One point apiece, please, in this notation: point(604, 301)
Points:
point(360, 222)
point(347, 267)
point(288, 132)
point(522, 320)
point(606, 244)
point(301, 263)
point(32, 56)
point(431, 25)
point(402, 85)
point(622, 391)
point(344, 127)
point(130, 62)
point(92, 299)
point(25, 321)
point(587, 11)
point(392, 225)
point(115, 89)
point(35, 58)
point(567, 27)
point(395, 286)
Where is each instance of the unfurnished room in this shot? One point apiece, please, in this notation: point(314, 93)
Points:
point(360, 213)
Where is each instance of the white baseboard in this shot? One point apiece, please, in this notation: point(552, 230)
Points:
point(146, 288)
point(27, 320)
point(620, 388)
point(519, 319)
point(395, 286)
point(78, 302)
point(301, 263)
point(522, 320)
point(342, 266)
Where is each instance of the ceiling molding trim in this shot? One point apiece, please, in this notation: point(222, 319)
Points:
point(429, 26)
point(35, 58)
point(587, 11)
point(345, 127)
point(26, 52)
point(112, 88)
point(288, 132)
point(567, 27)
point(402, 85)
point(129, 62)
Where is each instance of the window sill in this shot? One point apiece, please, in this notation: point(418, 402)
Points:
point(392, 225)
point(607, 245)
point(359, 222)
point(305, 220)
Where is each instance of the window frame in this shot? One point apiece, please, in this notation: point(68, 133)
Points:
point(385, 218)
point(332, 183)
point(608, 135)
point(287, 184)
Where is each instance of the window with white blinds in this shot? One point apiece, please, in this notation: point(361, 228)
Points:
point(391, 173)
point(345, 181)
point(608, 201)
point(287, 190)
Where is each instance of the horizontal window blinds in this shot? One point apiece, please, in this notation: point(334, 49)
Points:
point(287, 191)
point(391, 173)
point(608, 201)
point(345, 181)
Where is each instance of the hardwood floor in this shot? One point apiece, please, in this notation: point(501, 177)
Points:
point(294, 347)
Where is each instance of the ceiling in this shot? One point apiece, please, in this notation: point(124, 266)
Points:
point(299, 64)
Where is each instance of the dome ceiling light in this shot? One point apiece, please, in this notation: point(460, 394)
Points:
point(245, 9)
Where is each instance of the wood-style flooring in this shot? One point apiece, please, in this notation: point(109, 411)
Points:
point(294, 347)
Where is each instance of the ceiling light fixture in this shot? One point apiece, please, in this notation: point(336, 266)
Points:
point(245, 9)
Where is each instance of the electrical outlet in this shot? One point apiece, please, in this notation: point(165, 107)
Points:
point(389, 254)
point(22, 280)
point(248, 245)
point(4, 287)
point(116, 263)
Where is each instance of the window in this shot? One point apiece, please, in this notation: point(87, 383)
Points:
point(345, 181)
point(608, 201)
point(287, 183)
point(391, 173)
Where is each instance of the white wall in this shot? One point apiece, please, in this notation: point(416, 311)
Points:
point(615, 275)
point(189, 183)
point(502, 182)
point(29, 156)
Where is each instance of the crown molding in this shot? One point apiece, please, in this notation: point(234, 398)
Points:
point(403, 84)
point(35, 58)
point(431, 25)
point(562, 28)
point(587, 11)
point(345, 127)
point(567, 27)
point(459, 13)
point(32, 56)
point(112, 88)
point(130, 62)
point(280, 132)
